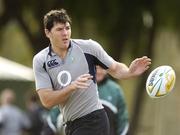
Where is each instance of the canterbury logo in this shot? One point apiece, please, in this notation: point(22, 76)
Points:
point(52, 63)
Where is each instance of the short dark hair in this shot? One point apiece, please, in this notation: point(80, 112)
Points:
point(55, 16)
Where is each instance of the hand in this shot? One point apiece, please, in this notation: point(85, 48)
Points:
point(139, 65)
point(82, 82)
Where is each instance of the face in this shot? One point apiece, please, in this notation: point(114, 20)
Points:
point(59, 35)
point(100, 73)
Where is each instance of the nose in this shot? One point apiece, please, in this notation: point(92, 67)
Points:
point(65, 32)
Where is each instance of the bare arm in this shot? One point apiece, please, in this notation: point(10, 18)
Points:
point(137, 67)
point(50, 98)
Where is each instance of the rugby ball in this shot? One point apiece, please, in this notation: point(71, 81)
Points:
point(160, 81)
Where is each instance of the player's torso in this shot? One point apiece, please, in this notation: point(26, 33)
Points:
point(79, 60)
point(64, 71)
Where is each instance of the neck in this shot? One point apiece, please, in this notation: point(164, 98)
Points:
point(61, 52)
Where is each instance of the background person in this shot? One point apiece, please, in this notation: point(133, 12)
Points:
point(113, 100)
point(13, 120)
point(36, 113)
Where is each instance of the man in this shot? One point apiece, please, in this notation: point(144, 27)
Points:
point(65, 76)
point(113, 100)
point(12, 120)
point(36, 114)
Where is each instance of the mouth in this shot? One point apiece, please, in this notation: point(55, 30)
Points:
point(65, 40)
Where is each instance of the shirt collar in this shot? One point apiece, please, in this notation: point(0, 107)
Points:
point(51, 53)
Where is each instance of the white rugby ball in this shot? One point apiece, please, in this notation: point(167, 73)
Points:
point(160, 81)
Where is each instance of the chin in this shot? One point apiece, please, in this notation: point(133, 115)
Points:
point(66, 44)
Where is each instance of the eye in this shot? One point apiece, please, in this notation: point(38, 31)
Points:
point(59, 29)
point(68, 27)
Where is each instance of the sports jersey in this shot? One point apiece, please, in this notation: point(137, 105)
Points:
point(55, 73)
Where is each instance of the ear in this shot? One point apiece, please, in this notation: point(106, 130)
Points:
point(47, 32)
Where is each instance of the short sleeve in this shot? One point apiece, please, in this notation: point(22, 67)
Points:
point(102, 58)
point(42, 79)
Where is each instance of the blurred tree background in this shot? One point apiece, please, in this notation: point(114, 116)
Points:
point(126, 29)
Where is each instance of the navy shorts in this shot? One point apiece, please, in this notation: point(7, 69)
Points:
point(95, 123)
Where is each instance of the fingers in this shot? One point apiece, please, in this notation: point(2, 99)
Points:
point(146, 62)
point(82, 85)
point(144, 58)
point(82, 82)
point(143, 61)
point(140, 65)
point(88, 76)
point(147, 67)
point(84, 77)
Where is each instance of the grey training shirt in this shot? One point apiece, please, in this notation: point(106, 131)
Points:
point(53, 72)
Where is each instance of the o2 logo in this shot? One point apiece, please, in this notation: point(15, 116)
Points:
point(64, 78)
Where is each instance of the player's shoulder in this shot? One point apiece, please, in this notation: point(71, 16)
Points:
point(41, 55)
point(85, 42)
point(88, 46)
